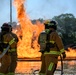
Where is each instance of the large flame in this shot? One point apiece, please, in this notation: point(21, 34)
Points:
point(28, 45)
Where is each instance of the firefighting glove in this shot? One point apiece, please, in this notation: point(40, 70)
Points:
point(64, 55)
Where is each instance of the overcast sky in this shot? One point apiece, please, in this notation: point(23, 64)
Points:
point(35, 9)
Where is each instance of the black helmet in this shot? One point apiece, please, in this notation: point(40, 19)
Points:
point(50, 24)
point(10, 27)
point(5, 27)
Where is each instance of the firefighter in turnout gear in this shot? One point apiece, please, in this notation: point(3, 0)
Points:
point(51, 46)
point(10, 57)
point(13, 54)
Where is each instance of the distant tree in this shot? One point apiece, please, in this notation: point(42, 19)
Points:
point(67, 28)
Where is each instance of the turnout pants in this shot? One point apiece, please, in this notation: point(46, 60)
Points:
point(8, 63)
point(5, 63)
point(13, 63)
point(48, 65)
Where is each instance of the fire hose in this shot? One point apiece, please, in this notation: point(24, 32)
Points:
point(61, 64)
point(3, 53)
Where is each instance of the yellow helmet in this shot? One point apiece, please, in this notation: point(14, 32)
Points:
point(50, 24)
point(47, 21)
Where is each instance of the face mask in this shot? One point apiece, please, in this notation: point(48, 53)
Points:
point(47, 30)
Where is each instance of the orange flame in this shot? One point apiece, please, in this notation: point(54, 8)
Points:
point(71, 52)
point(28, 45)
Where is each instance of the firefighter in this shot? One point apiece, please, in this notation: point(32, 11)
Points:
point(13, 54)
point(7, 39)
point(51, 46)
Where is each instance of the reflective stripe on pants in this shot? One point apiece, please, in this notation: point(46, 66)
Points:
point(50, 66)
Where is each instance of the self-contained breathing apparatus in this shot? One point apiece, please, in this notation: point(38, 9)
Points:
point(44, 37)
